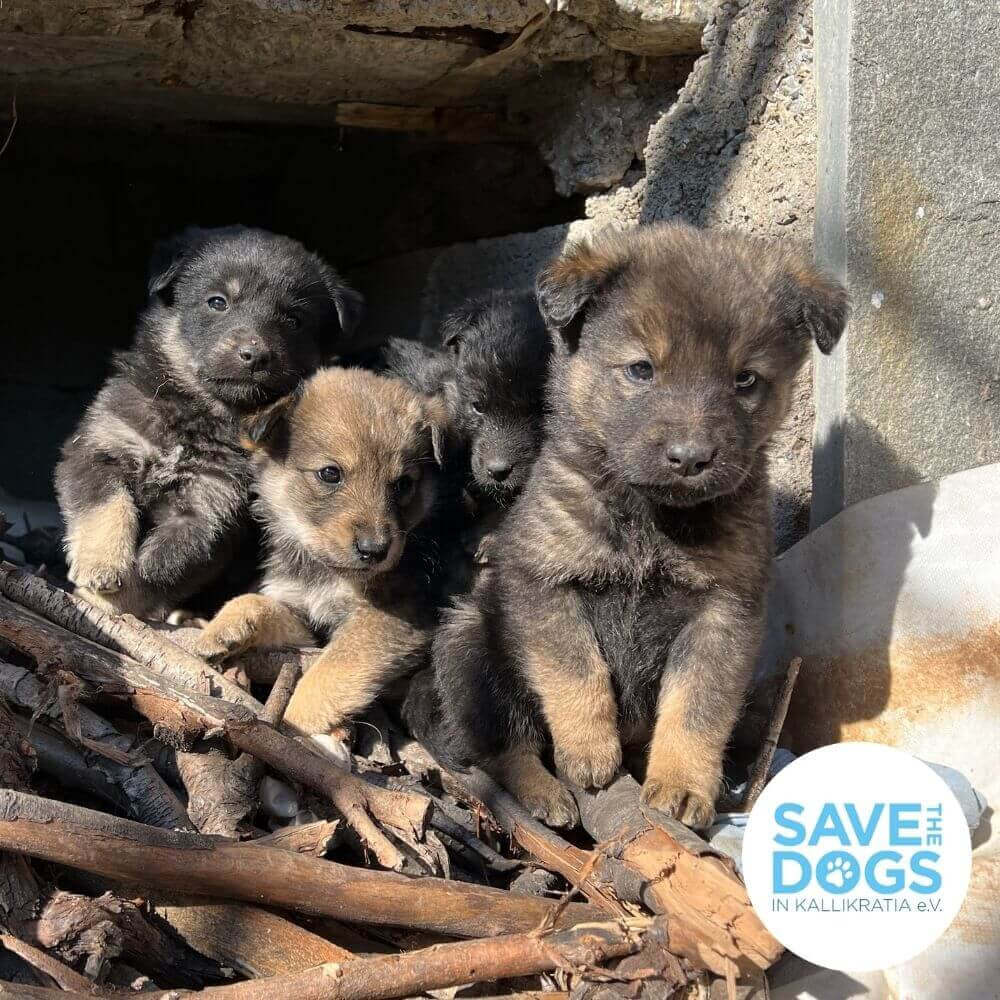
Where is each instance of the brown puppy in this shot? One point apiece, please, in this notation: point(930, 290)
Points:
point(347, 476)
point(627, 601)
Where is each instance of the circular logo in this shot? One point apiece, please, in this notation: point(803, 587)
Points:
point(857, 857)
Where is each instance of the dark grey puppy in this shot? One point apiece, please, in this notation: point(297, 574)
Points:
point(626, 603)
point(491, 369)
point(154, 483)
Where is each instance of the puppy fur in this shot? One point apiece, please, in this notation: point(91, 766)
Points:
point(154, 485)
point(347, 475)
point(626, 602)
point(491, 369)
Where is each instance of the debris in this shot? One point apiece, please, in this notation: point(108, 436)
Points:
point(179, 811)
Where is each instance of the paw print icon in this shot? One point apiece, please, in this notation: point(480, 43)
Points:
point(837, 872)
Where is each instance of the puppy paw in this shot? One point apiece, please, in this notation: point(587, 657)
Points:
point(238, 626)
point(693, 807)
point(100, 546)
point(99, 577)
point(590, 764)
point(312, 712)
point(553, 804)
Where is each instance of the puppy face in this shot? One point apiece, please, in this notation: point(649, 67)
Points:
point(249, 313)
point(348, 467)
point(677, 350)
point(501, 353)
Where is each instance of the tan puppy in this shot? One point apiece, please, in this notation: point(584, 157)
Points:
point(347, 477)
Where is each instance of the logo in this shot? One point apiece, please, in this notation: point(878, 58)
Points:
point(857, 857)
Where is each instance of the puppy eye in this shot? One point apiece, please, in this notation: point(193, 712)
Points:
point(640, 371)
point(746, 379)
point(329, 474)
point(404, 486)
point(218, 303)
point(294, 320)
point(477, 409)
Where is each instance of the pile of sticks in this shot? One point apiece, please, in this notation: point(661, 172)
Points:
point(160, 831)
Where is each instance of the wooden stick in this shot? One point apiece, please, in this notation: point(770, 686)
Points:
point(701, 894)
point(548, 847)
point(146, 796)
point(315, 839)
point(762, 765)
point(253, 941)
point(102, 929)
point(61, 974)
point(121, 633)
point(207, 866)
point(189, 715)
point(581, 948)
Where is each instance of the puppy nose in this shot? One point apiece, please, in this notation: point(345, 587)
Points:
point(371, 549)
point(691, 458)
point(499, 469)
point(253, 354)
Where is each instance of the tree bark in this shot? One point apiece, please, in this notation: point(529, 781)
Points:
point(188, 715)
point(680, 875)
point(143, 794)
point(61, 974)
point(580, 949)
point(97, 931)
point(206, 866)
point(253, 941)
point(121, 633)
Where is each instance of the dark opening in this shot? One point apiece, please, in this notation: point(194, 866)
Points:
point(83, 205)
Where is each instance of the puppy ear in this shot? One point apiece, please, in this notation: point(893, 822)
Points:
point(816, 306)
point(566, 285)
point(456, 325)
point(438, 422)
point(261, 430)
point(350, 305)
point(168, 259)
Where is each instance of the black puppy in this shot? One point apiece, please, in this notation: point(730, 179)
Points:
point(491, 370)
point(154, 483)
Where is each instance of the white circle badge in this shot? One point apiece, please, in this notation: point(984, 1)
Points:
point(857, 857)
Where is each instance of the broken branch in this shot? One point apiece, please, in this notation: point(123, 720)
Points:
point(579, 949)
point(762, 765)
point(207, 866)
point(701, 894)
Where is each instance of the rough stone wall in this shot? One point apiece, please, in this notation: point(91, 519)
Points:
point(735, 147)
point(738, 149)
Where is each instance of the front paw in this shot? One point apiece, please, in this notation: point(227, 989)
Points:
point(676, 796)
point(590, 763)
point(99, 575)
point(312, 713)
point(237, 627)
point(552, 803)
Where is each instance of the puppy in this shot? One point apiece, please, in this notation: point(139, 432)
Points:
point(154, 484)
point(491, 371)
point(347, 475)
point(627, 599)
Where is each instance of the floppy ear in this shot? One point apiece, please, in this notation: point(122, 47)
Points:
point(817, 307)
point(438, 422)
point(261, 430)
point(566, 285)
point(169, 258)
point(456, 324)
point(350, 305)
